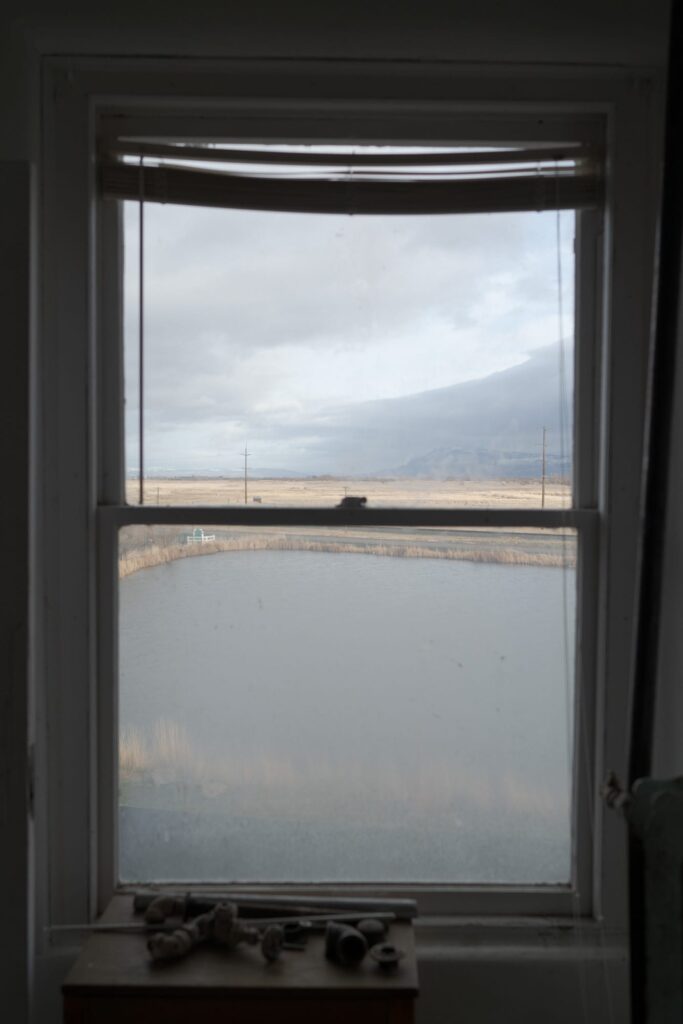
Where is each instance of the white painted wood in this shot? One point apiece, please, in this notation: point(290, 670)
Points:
point(104, 871)
point(65, 537)
point(588, 365)
point(585, 782)
point(244, 515)
point(455, 898)
point(439, 106)
point(566, 98)
point(108, 307)
point(473, 902)
point(110, 471)
point(631, 209)
point(521, 972)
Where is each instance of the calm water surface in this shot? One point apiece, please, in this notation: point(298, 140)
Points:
point(304, 715)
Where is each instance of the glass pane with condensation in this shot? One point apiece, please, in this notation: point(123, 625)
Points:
point(346, 705)
point(297, 359)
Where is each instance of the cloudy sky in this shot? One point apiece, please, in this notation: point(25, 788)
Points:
point(267, 329)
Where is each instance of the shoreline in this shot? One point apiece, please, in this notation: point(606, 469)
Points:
point(138, 559)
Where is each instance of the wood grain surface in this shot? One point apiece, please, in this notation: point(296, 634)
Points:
point(115, 980)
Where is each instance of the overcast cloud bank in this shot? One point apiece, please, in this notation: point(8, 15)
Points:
point(346, 345)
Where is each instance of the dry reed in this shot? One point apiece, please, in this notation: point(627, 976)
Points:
point(261, 784)
point(143, 558)
point(133, 754)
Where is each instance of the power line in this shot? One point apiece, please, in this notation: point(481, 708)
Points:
point(543, 450)
point(246, 456)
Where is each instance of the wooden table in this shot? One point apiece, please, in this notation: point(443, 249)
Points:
point(114, 981)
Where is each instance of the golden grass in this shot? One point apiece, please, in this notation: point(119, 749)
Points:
point(169, 756)
point(171, 751)
point(133, 753)
point(136, 559)
point(262, 784)
point(324, 492)
point(142, 549)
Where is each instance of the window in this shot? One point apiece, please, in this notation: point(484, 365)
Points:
point(90, 526)
point(382, 682)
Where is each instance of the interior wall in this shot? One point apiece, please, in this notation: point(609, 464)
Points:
point(625, 33)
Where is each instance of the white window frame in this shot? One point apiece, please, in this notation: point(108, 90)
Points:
point(82, 481)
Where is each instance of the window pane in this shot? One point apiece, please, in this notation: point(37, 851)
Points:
point(314, 705)
point(408, 359)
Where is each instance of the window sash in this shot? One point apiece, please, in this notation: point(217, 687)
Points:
point(452, 897)
point(81, 304)
point(434, 898)
point(116, 516)
point(112, 513)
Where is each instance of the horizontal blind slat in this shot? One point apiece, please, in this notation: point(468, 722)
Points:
point(302, 159)
point(207, 188)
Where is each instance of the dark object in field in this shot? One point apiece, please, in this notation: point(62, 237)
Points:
point(344, 944)
point(352, 501)
point(373, 930)
point(386, 955)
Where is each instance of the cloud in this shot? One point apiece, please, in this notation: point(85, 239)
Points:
point(258, 325)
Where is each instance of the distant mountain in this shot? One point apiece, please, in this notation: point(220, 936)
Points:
point(210, 473)
point(481, 464)
point(489, 427)
point(266, 473)
point(482, 429)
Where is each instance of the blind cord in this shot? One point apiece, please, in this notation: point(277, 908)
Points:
point(141, 336)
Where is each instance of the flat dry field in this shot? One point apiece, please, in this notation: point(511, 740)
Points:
point(145, 546)
point(325, 492)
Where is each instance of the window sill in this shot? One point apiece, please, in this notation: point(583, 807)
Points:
point(533, 970)
point(468, 938)
point(573, 968)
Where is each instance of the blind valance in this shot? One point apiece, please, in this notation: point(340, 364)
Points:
point(428, 182)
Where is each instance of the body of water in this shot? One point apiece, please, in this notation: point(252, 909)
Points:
point(293, 715)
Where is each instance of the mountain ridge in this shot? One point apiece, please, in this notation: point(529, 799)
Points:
point(488, 425)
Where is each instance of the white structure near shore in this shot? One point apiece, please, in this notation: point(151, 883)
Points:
point(199, 537)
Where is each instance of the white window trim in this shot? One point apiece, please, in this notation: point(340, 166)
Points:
point(76, 863)
point(445, 897)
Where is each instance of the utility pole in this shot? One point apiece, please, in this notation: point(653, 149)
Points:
point(543, 471)
point(246, 456)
